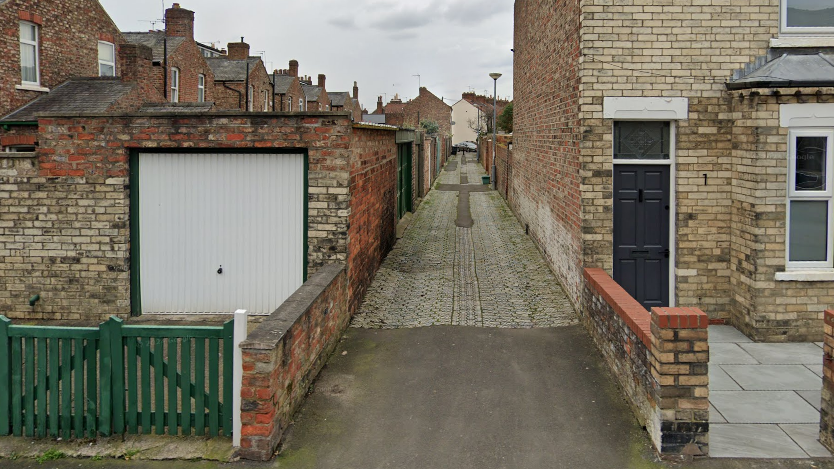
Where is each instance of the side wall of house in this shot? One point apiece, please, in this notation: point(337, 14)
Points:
point(191, 63)
point(546, 186)
point(427, 106)
point(373, 214)
point(69, 31)
point(64, 220)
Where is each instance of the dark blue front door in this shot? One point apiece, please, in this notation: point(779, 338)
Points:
point(641, 232)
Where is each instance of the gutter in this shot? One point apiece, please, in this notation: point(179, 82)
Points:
point(779, 84)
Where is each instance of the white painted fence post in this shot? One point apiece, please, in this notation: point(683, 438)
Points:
point(241, 317)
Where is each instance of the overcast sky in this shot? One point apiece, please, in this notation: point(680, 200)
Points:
point(452, 44)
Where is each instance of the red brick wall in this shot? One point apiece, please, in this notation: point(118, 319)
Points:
point(294, 93)
point(547, 134)
point(191, 63)
point(373, 215)
point(226, 99)
point(69, 34)
point(428, 107)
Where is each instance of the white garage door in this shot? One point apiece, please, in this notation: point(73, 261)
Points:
point(220, 232)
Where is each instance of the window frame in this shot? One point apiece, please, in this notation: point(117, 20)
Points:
point(251, 95)
point(175, 85)
point(36, 45)
point(799, 31)
point(103, 62)
point(201, 88)
point(826, 195)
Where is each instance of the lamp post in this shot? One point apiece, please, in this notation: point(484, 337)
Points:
point(495, 77)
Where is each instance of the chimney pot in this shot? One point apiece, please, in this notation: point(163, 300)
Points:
point(238, 50)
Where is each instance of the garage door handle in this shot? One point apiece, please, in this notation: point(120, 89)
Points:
point(639, 195)
point(665, 253)
point(220, 270)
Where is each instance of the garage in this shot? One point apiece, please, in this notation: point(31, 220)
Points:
point(217, 232)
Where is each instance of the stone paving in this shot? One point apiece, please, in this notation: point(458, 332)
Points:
point(489, 275)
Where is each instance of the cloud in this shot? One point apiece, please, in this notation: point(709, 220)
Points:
point(398, 18)
point(343, 22)
point(474, 11)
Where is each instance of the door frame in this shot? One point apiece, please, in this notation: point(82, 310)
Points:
point(133, 208)
point(673, 238)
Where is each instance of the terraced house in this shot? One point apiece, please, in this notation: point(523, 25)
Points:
point(685, 147)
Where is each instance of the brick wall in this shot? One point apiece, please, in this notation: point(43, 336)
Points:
point(69, 32)
point(827, 404)
point(191, 63)
point(428, 107)
point(231, 95)
point(284, 354)
point(64, 223)
point(547, 134)
point(660, 359)
point(373, 215)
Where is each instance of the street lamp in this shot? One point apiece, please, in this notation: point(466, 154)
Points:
point(495, 77)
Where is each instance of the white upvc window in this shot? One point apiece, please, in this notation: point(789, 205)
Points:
point(106, 59)
point(289, 104)
point(201, 88)
point(29, 50)
point(266, 101)
point(300, 104)
point(251, 97)
point(175, 85)
point(807, 17)
point(809, 205)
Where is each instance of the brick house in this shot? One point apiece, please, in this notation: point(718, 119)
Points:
point(343, 101)
point(179, 66)
point(315, 96)
point(428, 106)
point(44, 45)
point(687, 152)
point(241, 81)
point(289, 96)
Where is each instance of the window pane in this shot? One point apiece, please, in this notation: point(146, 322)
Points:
point(28, 65)
point(810, 163)
point(641, 140)
point(105, 70)
point(808, 231)
point(105, 52)
point(809, 14)
point(28, 32)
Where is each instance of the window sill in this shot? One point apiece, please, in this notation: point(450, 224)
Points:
point(32, 88)
point(805, 276)
point(802, 41)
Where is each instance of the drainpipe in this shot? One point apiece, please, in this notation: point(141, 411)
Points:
point(239, 97)
point(247, 84)
point(165, 67)
point(274, 76)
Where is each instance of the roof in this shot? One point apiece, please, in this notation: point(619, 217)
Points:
point(225, 69)
point(338, 98)
point(156, 41)
point(394, 108)
point(373, 118)
point(788, 71)
point(73, 96)
point(179, 108)
point(282, 83)
point(311, 92)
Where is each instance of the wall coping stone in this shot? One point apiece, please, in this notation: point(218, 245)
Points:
point(187, 115)
point(270, 331)
point(632, 312)
point(679, 318)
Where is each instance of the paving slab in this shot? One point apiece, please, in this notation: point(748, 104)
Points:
point(773, 377)
point(816, 369)
point(785, 354)
point(721, 353)
point(715, 416)
point(812, 397)
point(752, 441)
point(763, 407)
point(807, 437)
point(719, 380)
point(721, 333)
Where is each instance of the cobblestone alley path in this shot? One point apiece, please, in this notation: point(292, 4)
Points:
point(464, 260)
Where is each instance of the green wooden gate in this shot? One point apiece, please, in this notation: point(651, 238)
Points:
point(403, 179)
point(85, 381)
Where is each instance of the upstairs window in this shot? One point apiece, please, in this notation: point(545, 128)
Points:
point(266, 101)
point(251, 97)
point(29, 66)
point(201, 88)
point(809, 199)
point(106, 59)
point(175, 85)
point(807, 16)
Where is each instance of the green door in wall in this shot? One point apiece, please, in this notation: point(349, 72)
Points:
point(403, 179)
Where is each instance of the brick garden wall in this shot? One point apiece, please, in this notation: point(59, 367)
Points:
point(69, 32)
point(64, 222)
point(827, 404)
point(284, 354)
point(373, 216)
point(660, 359)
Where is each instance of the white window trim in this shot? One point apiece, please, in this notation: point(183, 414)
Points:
point(201, 88)
point(784, 29)
point(35, 43)
point(104, 62)
point(266, 101)
point(251, 97)
point(826, 195)
point(673, 233)
point(175, 85)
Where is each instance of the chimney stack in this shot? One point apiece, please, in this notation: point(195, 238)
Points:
point(135, 62)
point(355, 91)
point(379, 108)
point(179, 22)
point(293, 68)
point(321, 81)
point(238, 50)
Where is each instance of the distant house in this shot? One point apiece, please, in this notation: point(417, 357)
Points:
point(427, 106)
point(241, 81)
point(289, 96)
point(180, 69)
point(344, 102)
point(315, 96)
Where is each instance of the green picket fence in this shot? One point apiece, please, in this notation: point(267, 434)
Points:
point(85, 381)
